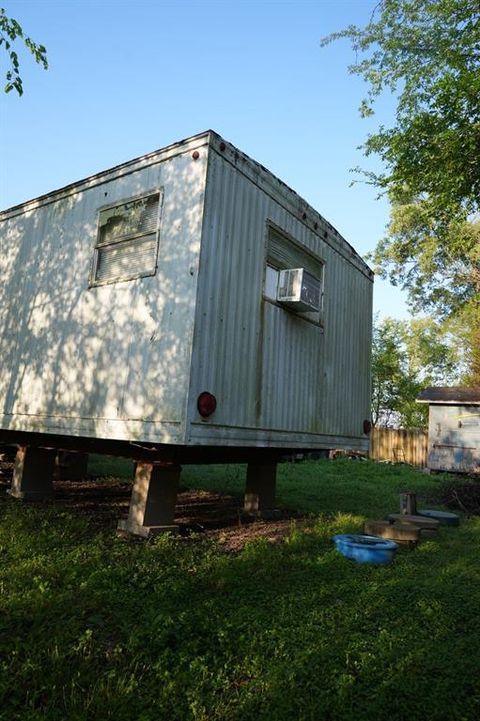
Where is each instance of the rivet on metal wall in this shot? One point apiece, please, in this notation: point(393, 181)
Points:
point(195, 155)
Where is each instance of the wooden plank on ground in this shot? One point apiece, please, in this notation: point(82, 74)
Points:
point(401, 532)
point(419, 521)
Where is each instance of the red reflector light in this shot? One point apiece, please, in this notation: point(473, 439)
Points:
point(367, 427)
point(206, 404)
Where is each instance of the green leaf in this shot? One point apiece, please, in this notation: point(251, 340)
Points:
point(11, 28)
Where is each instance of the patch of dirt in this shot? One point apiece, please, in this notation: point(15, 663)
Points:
point(219, 516)
point(6, 471)
point(274, 531)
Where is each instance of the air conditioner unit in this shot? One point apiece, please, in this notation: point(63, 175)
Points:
point(299, 290)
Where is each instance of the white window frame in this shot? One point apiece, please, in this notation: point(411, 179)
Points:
point(122, 239)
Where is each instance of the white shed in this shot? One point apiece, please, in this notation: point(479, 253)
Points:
point(187, 299)
point(453, 428)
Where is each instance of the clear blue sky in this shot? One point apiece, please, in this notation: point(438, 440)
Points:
point(126, 78)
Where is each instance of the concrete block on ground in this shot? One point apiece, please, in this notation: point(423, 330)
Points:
point(33, 474)
point(260, 489)
point(153, 500)
point(129, 527)
point(408, 503)
point(71, 465)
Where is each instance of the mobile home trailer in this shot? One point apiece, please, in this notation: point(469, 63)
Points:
point(185, 306)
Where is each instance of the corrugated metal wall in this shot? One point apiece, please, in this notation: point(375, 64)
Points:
point(269, 369)
point(115, 361)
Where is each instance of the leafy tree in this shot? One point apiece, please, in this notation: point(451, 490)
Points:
point(386, 374)
point(427, 52)
point(10, 31)
point(407, 357)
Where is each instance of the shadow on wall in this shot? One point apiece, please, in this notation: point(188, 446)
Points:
point(118, 352)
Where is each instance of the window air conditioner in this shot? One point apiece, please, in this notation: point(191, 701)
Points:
point(298, 290)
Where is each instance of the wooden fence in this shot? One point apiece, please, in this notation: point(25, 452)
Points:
point(389, 444)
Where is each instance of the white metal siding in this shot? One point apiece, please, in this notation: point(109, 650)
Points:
point(454, 438)
point(117, 361)
point(275, 375)
point(112, 360)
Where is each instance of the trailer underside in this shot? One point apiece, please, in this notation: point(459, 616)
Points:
point(157, 473)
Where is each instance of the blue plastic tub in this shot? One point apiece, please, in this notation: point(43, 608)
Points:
point(365, 549)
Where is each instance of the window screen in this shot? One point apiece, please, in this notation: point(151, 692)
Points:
point(282, 254)
point(127, 240)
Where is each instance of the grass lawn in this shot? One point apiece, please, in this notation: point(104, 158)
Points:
point(97, 627)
